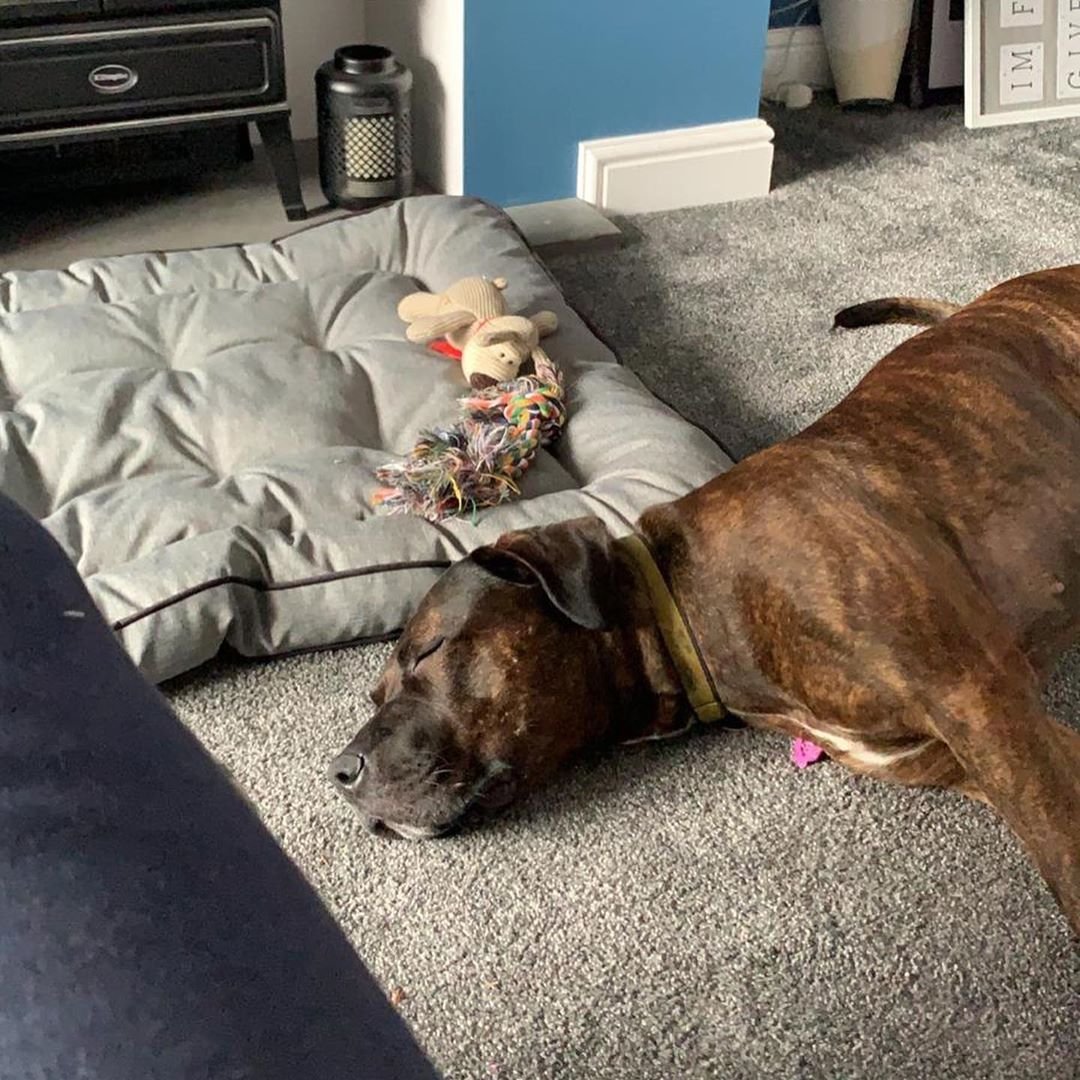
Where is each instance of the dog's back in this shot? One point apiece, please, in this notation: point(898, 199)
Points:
point(1040, 313)
point(960, 448)
point(978, 419)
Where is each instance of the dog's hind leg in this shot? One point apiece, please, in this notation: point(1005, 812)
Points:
point(1027, 766)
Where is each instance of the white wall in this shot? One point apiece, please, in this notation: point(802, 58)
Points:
point(429, 36)
point(313, 29)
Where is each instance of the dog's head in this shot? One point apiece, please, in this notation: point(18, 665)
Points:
point(512, 664)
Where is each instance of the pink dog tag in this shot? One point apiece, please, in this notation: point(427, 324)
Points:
point(804, 752)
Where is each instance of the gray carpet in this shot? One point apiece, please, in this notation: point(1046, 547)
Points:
point(701, 909)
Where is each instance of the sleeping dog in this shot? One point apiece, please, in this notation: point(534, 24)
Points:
point(895, 584)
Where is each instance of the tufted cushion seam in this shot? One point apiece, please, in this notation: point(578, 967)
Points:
point(93, 281)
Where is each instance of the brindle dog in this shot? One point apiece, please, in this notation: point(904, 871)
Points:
point(894, 583)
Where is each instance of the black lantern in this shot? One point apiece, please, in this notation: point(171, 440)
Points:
point(365, 131)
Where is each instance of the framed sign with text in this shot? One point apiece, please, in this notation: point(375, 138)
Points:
point(1022, 60)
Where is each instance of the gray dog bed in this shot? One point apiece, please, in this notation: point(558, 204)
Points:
point(200, 429)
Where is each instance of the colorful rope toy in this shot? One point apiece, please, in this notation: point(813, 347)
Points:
point(478, 462)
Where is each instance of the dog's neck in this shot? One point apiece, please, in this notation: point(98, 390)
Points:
point(659, 694)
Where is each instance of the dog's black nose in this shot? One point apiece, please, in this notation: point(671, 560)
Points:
point(346, 769)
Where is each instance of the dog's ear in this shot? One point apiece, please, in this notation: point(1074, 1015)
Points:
point(572, 562)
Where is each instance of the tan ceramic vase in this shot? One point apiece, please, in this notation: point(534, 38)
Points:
point(866, 40)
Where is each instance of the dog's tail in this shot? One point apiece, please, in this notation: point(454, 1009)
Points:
point(894, 309)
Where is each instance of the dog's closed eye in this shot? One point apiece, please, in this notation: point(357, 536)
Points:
point(428, 650)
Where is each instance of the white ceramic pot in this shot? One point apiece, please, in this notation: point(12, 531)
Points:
point(865, 40)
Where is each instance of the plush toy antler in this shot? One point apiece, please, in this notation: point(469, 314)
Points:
point(472, 318)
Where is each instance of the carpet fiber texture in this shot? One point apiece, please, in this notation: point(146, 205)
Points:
point(701, 909)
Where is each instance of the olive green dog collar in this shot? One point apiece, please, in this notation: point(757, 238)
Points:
point(674, 630)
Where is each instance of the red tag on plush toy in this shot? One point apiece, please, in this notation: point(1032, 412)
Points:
point(443, 346)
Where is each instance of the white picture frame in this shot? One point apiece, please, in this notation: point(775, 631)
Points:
point(995, 94)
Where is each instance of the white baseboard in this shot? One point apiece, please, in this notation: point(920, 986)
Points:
point(668, 170)
point(795, 56)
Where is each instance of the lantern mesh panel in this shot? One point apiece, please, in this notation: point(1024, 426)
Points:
point(366, 148)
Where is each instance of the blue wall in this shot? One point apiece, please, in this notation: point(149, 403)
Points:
point(542, 75)
point(794, 16)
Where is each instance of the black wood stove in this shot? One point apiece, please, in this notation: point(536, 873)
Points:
point(144, 74)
